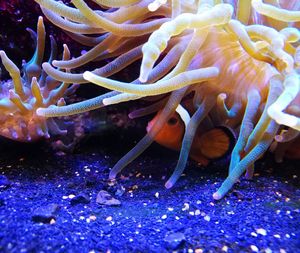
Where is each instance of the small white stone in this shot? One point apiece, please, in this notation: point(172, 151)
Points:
point(225, 248)
point(157, 194)
point(109, 218)
point(261, 231)
point(207, 218)
point(268, 250)
point(93, 217)
point(186, 207)
point(164, 217)
point(254, 248)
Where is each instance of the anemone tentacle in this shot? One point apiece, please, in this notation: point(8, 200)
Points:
point(29, 90)
point(251, 49)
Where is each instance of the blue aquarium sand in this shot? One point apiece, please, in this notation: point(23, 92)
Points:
point(48, 204)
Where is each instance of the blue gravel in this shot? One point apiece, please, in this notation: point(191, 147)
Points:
point(261, 215)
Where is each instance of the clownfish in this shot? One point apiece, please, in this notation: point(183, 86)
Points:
point(209, 145)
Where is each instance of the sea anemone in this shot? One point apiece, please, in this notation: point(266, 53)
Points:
point(239, 62)
point(28, 90)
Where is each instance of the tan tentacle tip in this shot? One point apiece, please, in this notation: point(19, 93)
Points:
point(3, 56)
point(226, 10)
point(168, 185)
point(41, 112)
point(143, 77)
point(217, 196)
point(40, 19)
point(56, 63)
point(156, 4)
point(112, 176)
point(282, 118)
point(88, 76)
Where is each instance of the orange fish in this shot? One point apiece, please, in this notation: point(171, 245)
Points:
point(210, 145)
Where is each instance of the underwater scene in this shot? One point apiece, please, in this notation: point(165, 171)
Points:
point(150, 126)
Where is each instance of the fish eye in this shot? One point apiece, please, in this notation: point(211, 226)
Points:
point(172, 121)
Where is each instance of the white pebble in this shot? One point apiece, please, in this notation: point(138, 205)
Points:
point(109, 218)
point(225, 248)
point(254, 248)
point(186, 207)
point(207, 218)
point(261, 231)
point(268, 250)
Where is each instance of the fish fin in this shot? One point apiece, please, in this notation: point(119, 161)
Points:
point(217, 142)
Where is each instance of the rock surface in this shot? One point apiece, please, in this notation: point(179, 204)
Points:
point(45, 213)
point(104, 198)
